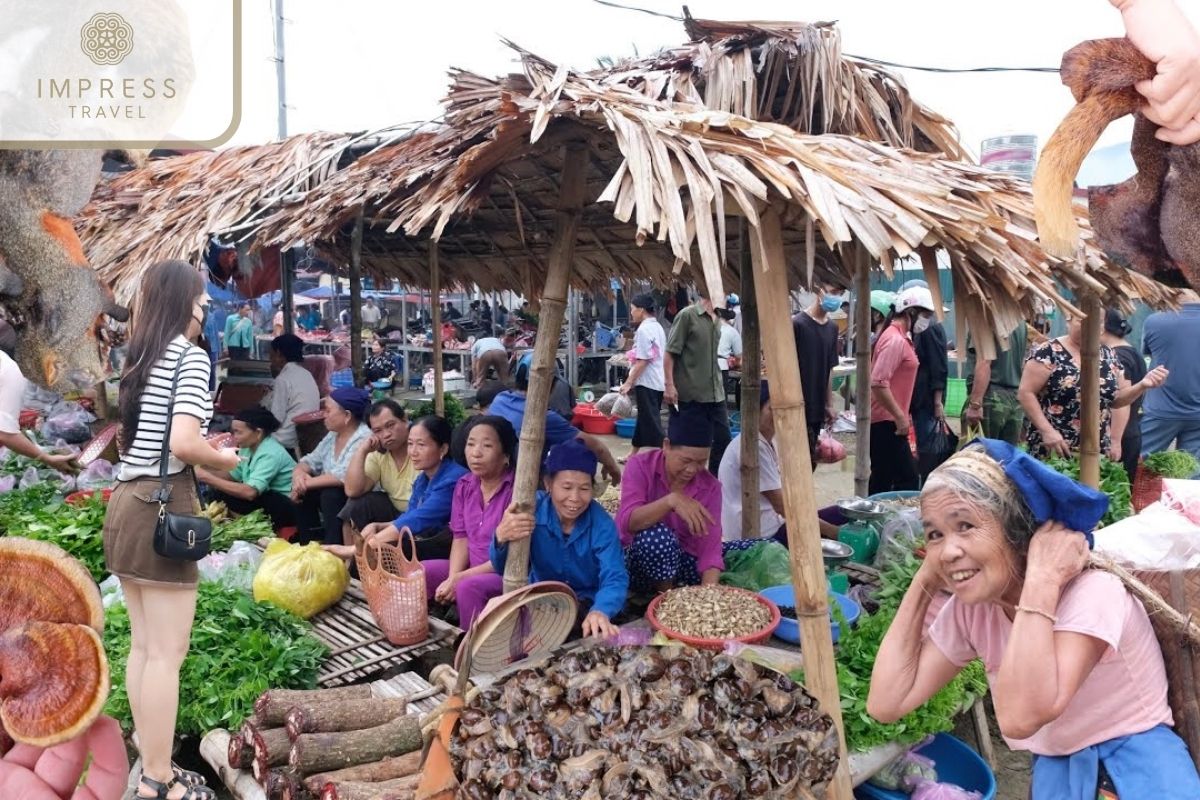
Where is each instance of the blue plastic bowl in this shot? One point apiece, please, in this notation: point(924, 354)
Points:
point(955, 763)
point(789, 629)
point(625, 428)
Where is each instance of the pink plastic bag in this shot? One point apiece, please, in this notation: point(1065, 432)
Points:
point(1184, 497)
point(928, 790)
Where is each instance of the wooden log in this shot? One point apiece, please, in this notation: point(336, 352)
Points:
point(283, 783)
point(214, 749)
point(550, 319)
point(271, 747)
point(1089, 370)
point(385, 770)
point(343, 715)
point(272, 706)
point(323, 752)
point(435, 289)
point(238, 754)
point(791, 436)
point(751, 378)
point(296, 791)
point(862, 370)
point(397, 789)
point(356, 350)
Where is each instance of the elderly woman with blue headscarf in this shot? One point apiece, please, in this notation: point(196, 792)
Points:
point(1075, 670)
point(572, 538)
point(317, 481)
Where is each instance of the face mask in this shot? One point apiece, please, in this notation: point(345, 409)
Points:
point(831, 303)
point(921, 324)
point(203, 317)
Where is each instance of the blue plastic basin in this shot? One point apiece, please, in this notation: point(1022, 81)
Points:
point(955, 763)
point(789, 629)
point(625, 428)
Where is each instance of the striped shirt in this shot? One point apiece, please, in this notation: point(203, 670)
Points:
point(192, 398)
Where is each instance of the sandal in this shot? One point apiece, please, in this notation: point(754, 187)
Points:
point(162, 790)
point(187, 777)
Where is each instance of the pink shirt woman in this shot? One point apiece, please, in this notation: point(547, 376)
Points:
point(480, 498)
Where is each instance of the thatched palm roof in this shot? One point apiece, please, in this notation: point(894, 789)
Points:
point(662, 179)
point(170, 207)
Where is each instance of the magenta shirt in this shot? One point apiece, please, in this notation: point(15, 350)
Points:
point(645, 480)
point(470, 519)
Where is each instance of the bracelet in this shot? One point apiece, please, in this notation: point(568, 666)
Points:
point(1053, 619)
point(974, 404)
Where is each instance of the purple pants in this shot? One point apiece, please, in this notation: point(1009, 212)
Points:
point(471, 593)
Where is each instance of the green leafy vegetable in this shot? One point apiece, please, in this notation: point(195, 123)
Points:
point(239, 649)
point(1179, 464)
point(247, 528)
point(455, 411)
point(1114, 482)
point(78, 529)
point(19, 502)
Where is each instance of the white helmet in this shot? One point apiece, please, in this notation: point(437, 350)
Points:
point(914, 297)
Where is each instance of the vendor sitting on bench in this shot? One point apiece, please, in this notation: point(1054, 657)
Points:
point(379, 479)
point(670, 514)
point(573, 539)
point(1076, 673)
point(263, 476)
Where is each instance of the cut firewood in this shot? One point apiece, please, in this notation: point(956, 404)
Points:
point(398, 789)
point(343, 715)
point(385, 770)
point(322, 752)
point(271, 748)
point(273, 705)
point(240, 756)
point(214, 748)
point(283, 783)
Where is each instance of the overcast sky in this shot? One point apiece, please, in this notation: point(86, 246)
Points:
point(364, 64)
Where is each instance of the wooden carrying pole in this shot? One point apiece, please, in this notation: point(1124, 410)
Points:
point(751, 378)
point(356, 350)
point(550, 320)
point(1089, 369)
point(439, 402)
point(862, 370)
point(791, 435)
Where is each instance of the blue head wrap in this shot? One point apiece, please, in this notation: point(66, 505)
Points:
point(1050, 495)
point(571, 455)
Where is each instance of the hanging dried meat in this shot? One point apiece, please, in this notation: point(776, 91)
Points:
point(53, 671)
point(642, 723)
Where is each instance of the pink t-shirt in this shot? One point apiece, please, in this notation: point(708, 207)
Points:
point(894, 365)
point(1126, 693)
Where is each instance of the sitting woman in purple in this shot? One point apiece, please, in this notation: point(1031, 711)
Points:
point(480, 498)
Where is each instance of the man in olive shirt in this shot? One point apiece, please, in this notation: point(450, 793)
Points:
point(992, 389)
point(692, 377)
point(379, 478)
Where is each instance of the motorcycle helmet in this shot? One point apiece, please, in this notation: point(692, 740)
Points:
point(882, 301)
point(916, 297)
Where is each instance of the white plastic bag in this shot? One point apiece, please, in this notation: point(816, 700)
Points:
point(234, 569)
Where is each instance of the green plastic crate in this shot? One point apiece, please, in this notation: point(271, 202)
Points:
point(956, 396)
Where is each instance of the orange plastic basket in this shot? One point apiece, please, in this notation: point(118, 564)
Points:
point(718, 644)
point(394, 586)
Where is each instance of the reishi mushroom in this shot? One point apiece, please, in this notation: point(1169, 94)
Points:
point(53, 671)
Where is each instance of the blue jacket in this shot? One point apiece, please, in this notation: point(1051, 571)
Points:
point(590, 560)
point(1154, 764)
point(511, 406)
point(429, 507)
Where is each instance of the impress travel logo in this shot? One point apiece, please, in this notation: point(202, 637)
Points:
point(119, 73)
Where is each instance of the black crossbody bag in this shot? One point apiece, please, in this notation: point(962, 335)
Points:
point(180, 537)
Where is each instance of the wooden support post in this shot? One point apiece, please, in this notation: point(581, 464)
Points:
point(1089, 368)
point(572, 340)
point(435, 289)
point(286, 302)
point(751, 378)
point(862, 369)
point(550, 319)
point(799, 500)
point(356, 350)
point(404, 337)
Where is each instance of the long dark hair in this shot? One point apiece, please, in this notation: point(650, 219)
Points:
point(504, 432)
point(163, 311)
point(258, 418)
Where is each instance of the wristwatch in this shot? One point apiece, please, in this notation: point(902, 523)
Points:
point(974, 405)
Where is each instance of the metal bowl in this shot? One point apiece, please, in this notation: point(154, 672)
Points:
point(835, 553)
point(862, 509)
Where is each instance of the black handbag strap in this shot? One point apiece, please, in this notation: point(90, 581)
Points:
point(163, 493)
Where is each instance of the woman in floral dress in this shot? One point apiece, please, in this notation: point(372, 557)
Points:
point(1051, 394)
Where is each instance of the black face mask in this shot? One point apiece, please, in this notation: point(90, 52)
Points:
point(203, 317)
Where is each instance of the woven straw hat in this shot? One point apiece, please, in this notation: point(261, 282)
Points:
point(527, 623)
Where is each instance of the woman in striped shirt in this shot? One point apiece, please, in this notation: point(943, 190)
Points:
point(160, 593)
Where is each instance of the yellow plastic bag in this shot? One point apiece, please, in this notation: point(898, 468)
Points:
point(303, 579)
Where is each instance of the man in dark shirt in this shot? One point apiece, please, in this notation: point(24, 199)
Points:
point(992, 404)
point(929, 391)
point(816, 347)
point(691, 376)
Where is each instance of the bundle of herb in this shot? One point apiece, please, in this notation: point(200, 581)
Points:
point(78, 529)
point(19, 502)
point(1114, 482)
point(239, 649)
point(247, 528)
point(1177, 464)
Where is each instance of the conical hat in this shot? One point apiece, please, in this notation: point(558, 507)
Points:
point(526, 623)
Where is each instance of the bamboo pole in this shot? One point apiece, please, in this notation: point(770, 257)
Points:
point(1089, 368)
point(862, 370)
point(550, 319)
point(751, 378)
point(356, 351)
point(799, 500)
point(439, 402)
point(286, 302)
point(404, 337)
